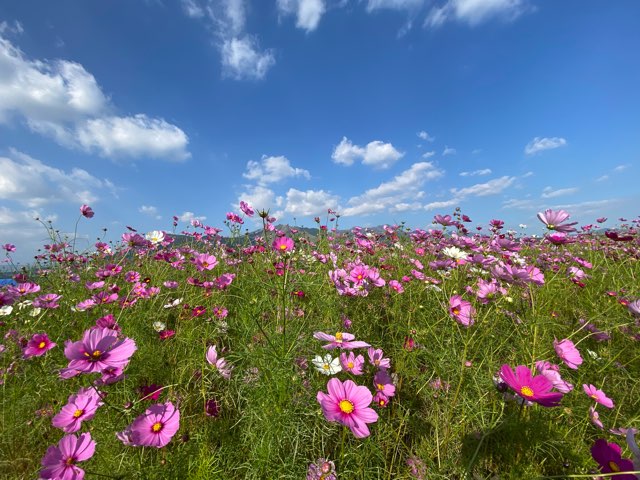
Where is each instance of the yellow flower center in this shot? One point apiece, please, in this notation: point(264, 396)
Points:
point(594, 396)
point(359, 277)
point(156, 427)
point(96, 353)
point(526, 391)
point(78, 413)
point(346, 406)
point(456, 311)
point(283, 246)
point(380, 386)
point(350, 365)
point(326, 366)
point(42, 344)
point(339, 337)
point(614, 466)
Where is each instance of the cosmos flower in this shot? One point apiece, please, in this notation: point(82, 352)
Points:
point(609, 458)
point(155, 427)
point(461, 310)
point(535, 389)
point(38, 346)
point(598, 395)
point(327, 365)
point(80, 407)
point(60, 461)
point(568, 353)
point(99, 349)
point(342, 340)
point(86, 211)
point(348, 404)
point(553, 220)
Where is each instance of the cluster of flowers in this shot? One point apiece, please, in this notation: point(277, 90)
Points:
point(356, 279)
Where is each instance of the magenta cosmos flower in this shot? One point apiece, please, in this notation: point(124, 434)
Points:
point(38, 346)
point(156, 426)
point(86, 211)
point(80, 407)
point(568, 353)
point(535, 389)
point(283, 244)
point(553, 220)
point(461, 310)
point(342, 340)
point(60, 461)
point(99, 349)
point(348, 404)
point(609, 458)
point(598, 395)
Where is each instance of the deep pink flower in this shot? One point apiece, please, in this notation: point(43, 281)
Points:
point(246, 209)
point(80, 407)
point(461, 310)
point(86, 211)
point(535, 389)
point(339, 340)
point(609, 458)
point(9, 247)
point(351, 363)
point(283, 244)
point(99, 349)
point(383, 383)
point(60, 461)
point(156, 426)
point(598, 395)
point(348, 404)
point(376, 358)
point(38, 346)
point(568, 353)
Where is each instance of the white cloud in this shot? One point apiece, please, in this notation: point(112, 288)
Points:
point(242, 59)
point(602, 178)
point(403, 187)
point(192, 9)
point(60, 99)
point(521, 204)
point(425, 136)
point(474, 12)
point(394, 4)
point(549, 192)
point(14, 28)
point(377, 154)
point(492, 187)
point(188, 216)
point(272, 169)
point(20, 228)
point(430, 154)
point(261, 198)
point(442, 204)
point(448, 151)
point(150, 210)
point(308, 12)
point(310, 202)
point(484, 171)
point(34, 184)
point(620, 168)
point(538, 144)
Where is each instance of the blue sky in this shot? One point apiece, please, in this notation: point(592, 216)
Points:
point(386, 110)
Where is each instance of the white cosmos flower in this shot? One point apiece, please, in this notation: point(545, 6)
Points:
point(173, 303)
point(327, 365)
point(454, 252)
point(5, 310)
point(159, 326)
point(155, 237)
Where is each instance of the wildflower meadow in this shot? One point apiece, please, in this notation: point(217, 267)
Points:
point(447, 351)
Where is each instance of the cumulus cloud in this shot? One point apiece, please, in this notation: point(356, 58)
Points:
point(272, 170)
point(474, 12)
point(310, 202)
point(539, 144)
point(425, 136)
point(492, 187)
point(308, 12)
point(549, 192)
point(402, 188)
point(475, 173)
point(62, 100)
point(242, 59)
point(188, 216)
point(377, 153)
point(428, 154)
point(449, 151)
point(34, 184)
point(150, 210)
point(262, 198)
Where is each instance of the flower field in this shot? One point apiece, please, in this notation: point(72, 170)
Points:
point(450, 351)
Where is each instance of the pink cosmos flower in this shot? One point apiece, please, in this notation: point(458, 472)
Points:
point(283, 244)
point(204, 261)
point(99, 349)
point(348, 404)
point(38, 346)
point(351, 363)
point(383, 383)
point(340, 340)
point(535, 389)
point(246, 209)
point(595, 418)
point(551, 372)
point(80, 407)
point(598, 395)
point(609, 458)
point(553, 220)
point(568, 353)
point(86, 211)
point(60, 461)
point(461, 310)
point(9, 247)
point(376, 358)
point(219, 363)
point(156, 426)
point(634, 308)
point(396, 285)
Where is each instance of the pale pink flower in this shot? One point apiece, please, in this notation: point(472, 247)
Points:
point(598, 395)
